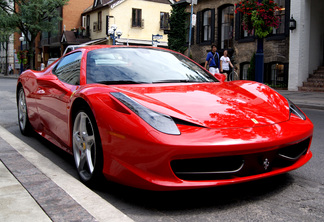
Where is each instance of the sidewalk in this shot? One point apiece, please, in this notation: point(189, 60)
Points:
point(13, 76)
point(311, 100)
point(33, 188)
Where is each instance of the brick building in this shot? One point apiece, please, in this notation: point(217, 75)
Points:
point(216, 22)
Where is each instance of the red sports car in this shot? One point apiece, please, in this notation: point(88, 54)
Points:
point(152, 118)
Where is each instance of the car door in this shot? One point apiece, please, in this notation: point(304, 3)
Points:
point(54, 98)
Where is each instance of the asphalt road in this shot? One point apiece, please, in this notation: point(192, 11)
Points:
point(295, 196)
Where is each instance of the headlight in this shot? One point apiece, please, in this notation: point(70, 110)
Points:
point(160, 122)
point(295, 110)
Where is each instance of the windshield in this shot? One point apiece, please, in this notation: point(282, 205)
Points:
point(142, 65)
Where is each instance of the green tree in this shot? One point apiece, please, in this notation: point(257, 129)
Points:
point(32, 17)
point(178, 28)
point(6, 30)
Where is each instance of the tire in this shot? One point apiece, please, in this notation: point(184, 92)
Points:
point(87, 149)
point(23, 120)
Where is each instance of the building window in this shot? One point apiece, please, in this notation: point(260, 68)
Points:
point(97, 2)
point(278, 76)
point(245, 69)
point(164, 21)
point(226, 24)
point(136, 17)
point(99, 20)
point(207, 25)
point(244, 33)
point(88, 26)
point(281, 32)
point(281, 13)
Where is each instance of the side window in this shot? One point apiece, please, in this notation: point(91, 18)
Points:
point(68, 69)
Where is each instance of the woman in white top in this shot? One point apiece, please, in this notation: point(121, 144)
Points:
point(225, 64)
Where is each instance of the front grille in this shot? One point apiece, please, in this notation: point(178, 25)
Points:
point(216, 168)
point(207, 168)
point(293, 152)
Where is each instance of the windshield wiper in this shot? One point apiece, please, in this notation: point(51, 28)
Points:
point(117, 82)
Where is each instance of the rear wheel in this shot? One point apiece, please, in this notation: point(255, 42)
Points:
point(87, 150)
point(23, 121)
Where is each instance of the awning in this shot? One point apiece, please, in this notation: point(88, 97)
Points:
point(69, 38)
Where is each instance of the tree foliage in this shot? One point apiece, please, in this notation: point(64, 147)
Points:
point(6, 30)
point(32, 17)
point(178, 24)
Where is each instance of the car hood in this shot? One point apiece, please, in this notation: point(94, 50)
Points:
point(213, 105)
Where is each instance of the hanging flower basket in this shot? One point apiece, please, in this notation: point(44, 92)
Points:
point(260, 17)
point(22, 57)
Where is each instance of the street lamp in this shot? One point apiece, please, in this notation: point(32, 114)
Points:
point(21, 39)
point(114, 34)
point(292, 23)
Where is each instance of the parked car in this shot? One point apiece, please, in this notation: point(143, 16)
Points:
point(152, 118)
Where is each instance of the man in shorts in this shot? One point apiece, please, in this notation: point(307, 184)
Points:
point(213, 60)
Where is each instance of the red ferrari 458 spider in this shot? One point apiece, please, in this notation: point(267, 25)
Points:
point(151, 118)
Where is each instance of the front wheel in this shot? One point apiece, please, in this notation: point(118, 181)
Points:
point(23, 120)
point(87, 150)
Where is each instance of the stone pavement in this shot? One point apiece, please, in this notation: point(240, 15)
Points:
point(28, 194)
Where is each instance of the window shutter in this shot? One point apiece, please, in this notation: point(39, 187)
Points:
point(237, 26)
point(198, 27)
point(212, 37)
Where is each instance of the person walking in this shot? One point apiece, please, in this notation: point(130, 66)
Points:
point(225, 62)
point(213, 60)
point(10, 70)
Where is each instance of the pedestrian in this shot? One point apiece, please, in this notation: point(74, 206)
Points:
point(213, 61)
point(10, 70)
point(225, 62)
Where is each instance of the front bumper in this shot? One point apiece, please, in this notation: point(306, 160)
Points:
point(157, 161)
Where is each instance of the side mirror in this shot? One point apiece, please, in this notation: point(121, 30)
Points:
point(220, 77)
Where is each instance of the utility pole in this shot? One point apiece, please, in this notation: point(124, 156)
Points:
point(259, 59)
